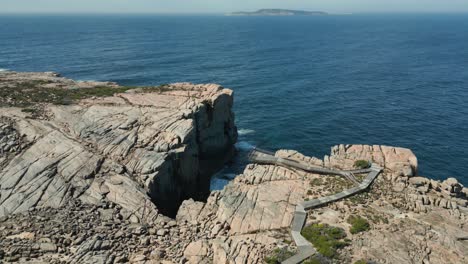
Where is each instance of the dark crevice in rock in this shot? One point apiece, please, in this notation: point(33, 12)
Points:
point(187, 175)
point(165, 190)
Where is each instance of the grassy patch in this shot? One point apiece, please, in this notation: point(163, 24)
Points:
point(278, 255)
point(358, 224)
point(338, 184)
point(362, 164)
point(312, 260)
point(315, 182)
point(359, 198)
point(25, 94)
point(326, 239)
point(361, 262)
point(375, 217)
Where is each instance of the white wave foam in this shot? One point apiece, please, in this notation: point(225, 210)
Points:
point(244, 146)
point(243, 132)
point(87, 81)
point(2, 70)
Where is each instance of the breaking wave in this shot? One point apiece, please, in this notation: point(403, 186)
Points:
point(243, 132)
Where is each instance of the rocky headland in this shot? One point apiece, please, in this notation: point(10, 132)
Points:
point(94, 172)
point(278, 12)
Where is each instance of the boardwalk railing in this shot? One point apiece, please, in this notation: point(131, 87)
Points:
point(266, 157)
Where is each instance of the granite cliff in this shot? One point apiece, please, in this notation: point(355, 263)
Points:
point(93, 172)
point(117, 147)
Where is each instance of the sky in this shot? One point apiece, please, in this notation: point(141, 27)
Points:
point(221, 6)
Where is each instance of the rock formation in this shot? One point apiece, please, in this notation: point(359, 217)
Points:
point(93, 177)
point(116, 148)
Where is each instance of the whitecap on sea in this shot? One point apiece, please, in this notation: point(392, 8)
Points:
point(243, 132)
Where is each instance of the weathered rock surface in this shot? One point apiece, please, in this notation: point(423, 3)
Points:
point(115, 148)
point(87, 182)
point(409, 224)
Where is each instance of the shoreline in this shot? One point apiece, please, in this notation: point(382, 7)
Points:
point(128, 165)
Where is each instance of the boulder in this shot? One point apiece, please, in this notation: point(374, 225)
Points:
point(196, 252)
point(451, 187)
point(419, 181)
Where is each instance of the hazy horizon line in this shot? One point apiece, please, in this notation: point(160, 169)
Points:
point(213, 13)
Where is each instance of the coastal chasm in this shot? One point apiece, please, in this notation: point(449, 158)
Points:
point(90, 172)
point(137, 149)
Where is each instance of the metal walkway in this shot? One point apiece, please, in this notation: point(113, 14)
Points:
point(305, 249)
point(266, 157)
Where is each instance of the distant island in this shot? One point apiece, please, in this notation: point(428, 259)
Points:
point(278, 12)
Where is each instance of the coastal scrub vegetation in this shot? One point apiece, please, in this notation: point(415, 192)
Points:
point(361, 262)
point(362, 164)
point(312, 260)
point(30, 93)
point(317, 259)
point(315, 182)
point(326, 239)
point(279, 255)
point(359, 198)
point(358, 224)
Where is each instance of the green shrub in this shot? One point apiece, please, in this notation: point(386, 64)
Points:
point(362, 164)
point(360, 262)
point(326, 239)
point(312, 260)
point(358, 224)
point(278, 255)
point(315, 182)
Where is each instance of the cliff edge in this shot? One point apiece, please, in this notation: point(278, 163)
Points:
point(400, 218)
point(100, 142)
point(94, 172)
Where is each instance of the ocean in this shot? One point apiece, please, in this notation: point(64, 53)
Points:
point(303, 83)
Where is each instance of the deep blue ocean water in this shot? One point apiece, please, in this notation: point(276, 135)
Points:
point(304, 83)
